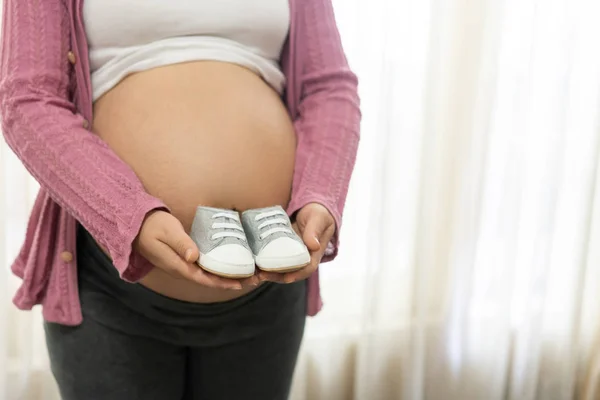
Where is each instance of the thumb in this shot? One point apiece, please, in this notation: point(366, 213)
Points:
point(313, 232)
point(182, 243)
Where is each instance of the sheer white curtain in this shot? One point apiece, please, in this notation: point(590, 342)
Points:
point(470, 266)
point(24, 373)
point(470, 261)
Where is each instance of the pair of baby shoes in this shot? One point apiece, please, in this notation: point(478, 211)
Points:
point(231, 247)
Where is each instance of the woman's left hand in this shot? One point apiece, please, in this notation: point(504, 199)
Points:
point(315, 225)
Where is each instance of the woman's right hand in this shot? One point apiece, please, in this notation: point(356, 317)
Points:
point(163, 241)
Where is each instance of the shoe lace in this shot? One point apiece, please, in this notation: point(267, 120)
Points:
point(228, 229)
point(276, 224)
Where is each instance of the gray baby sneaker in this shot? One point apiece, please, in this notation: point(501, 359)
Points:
point(223, 246)
point(275, 245)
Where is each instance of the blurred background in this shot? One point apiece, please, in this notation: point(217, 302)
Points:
point(470, 253)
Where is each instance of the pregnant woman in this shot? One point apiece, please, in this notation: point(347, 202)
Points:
point(130, 114)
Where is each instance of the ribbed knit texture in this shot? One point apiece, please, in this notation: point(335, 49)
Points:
point(44, 101)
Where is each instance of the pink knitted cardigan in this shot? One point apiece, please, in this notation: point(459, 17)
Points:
point(45, 106)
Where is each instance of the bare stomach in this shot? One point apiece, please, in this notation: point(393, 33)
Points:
point(205, 133)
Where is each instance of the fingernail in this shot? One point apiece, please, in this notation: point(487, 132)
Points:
point(289, 280)
point(317, 239)
point(188, 255)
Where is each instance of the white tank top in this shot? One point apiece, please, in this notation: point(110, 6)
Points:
point(127, 36)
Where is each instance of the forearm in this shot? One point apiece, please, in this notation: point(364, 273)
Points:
point(328, 118)
point(39, 122)
point(328, 138)
point(79, 172)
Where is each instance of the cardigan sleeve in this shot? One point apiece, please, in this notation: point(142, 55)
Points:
point(41, 125)
point(328, 121)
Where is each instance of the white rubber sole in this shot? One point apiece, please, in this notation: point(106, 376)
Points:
point(225, 270)
point(283, 264)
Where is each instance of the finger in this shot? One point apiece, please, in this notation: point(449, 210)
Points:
point(178, 240)
point(211, 280)
point(313, 232)
point(302, 274)
point(254, 280)
point(265, 276)
point(177, 266)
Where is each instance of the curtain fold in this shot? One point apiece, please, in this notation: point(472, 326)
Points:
point(473, 219)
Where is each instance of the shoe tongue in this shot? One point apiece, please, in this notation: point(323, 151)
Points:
point(230, 240)
point(278, 225)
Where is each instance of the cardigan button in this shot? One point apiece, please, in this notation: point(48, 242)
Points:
point(66, 256)
point(71, 57)
point(86, 124)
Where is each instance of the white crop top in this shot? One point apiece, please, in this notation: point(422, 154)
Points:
point(126, 36)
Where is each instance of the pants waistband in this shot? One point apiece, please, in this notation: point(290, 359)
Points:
point(97, 274)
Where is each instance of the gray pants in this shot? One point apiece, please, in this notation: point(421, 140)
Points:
point(136, 344)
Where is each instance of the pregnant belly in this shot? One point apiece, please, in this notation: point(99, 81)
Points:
point(205, 133)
